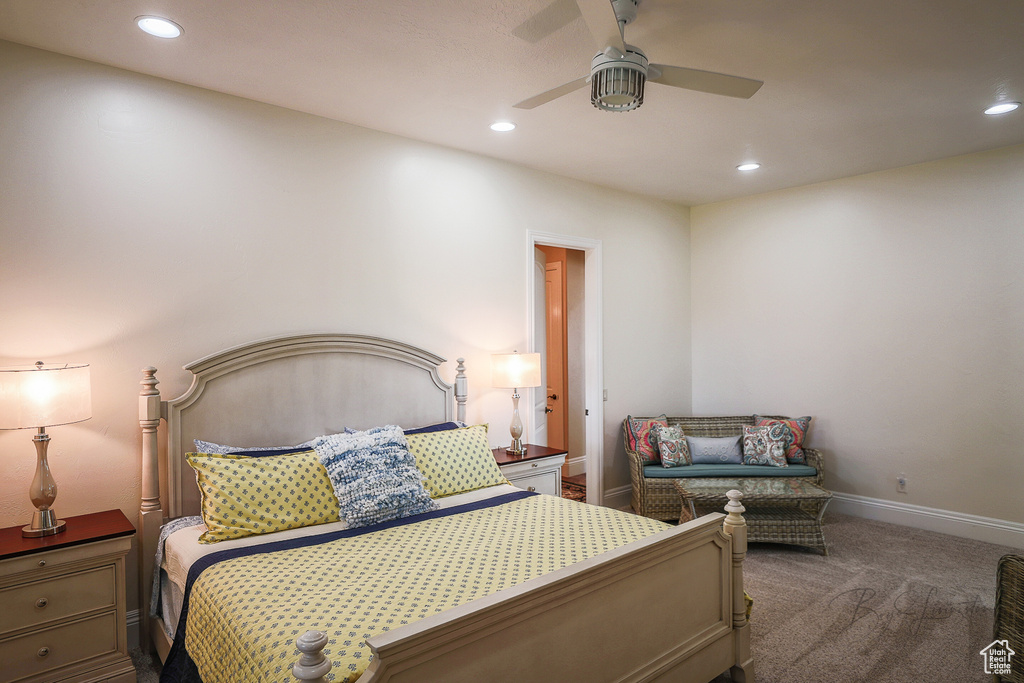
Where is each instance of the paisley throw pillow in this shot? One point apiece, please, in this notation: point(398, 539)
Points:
point(674, 452)
point(765, 445)
point(641, 439)
point(797, 427)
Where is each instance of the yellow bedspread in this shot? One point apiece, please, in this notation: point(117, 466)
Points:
point(245, 613)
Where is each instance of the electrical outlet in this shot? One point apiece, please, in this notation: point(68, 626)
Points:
point(901, 483)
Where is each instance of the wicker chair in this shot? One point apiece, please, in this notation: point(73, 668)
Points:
point(1009, 613)
point(658, 498)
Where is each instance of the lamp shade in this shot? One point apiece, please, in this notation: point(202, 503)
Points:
point(40, 395)
point(515, 370)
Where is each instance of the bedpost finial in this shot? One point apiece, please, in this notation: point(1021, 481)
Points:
point(149, 382)
point(734, 506)
point(312, 665)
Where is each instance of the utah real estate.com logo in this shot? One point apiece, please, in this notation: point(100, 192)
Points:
point(997, 657)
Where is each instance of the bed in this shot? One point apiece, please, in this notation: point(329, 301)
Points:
point(665, 603)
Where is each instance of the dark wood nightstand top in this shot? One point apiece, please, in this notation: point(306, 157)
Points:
point(532, 453)
point(97, 526)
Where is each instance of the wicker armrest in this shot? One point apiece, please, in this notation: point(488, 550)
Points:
point(816, 460)
point(1009, 610)
point(636, 474)
point(636, 463)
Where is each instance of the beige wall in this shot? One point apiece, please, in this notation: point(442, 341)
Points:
point(149, 223)
point(890, 307)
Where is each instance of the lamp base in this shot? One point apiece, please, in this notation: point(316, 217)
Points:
point(44, 523)
point(517, 448)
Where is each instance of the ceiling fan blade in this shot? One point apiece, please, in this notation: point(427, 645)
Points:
point(604, 26)
point(704, 81)
point(552, 94)
point(542, 24)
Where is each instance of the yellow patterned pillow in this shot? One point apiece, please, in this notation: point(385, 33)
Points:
point(455, 460)
point(246, 496)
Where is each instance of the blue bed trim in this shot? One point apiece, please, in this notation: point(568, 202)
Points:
point(179, 667)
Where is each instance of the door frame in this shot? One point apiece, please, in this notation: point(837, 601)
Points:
point(593, 348)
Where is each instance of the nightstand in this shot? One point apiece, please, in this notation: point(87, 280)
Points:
point(63, 597)
point(539, 469)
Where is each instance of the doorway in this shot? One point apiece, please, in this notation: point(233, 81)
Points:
point(563, 401)
point(565, 322)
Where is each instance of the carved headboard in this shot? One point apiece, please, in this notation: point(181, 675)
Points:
point(287, 390)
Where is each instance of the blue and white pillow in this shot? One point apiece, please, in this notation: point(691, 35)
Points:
point(221, 449)
point(373, 474)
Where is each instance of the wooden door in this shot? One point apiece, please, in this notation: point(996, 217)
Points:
point(539, 423)
point(557, 380)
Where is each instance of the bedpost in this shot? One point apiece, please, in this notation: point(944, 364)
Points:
point(460, 390)
point(151, 515)
point(312, 666)
point(736, 527)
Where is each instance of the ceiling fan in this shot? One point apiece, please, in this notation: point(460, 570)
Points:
point(619, 71)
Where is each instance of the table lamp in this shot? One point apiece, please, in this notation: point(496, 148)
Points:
point(515, 371)
point(36, 397)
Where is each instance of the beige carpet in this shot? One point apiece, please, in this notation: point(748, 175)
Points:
point(889, 604)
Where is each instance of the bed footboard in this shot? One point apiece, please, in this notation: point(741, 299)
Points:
point(668, 607)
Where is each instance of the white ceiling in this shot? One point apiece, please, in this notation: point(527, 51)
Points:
point(850, 86)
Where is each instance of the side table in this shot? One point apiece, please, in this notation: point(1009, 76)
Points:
point(538, 469)
point(63, 597)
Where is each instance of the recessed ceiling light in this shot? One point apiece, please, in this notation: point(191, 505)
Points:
point(1002, 108)
point(749, 166)
point(503, 126)
point(158, 26)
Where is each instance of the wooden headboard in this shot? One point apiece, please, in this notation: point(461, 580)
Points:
point(281, 392)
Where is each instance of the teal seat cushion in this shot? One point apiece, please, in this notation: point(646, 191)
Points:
point(730, 471)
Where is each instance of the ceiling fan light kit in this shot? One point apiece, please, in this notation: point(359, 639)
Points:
point(617, 80)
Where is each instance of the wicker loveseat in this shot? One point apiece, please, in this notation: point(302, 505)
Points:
point(653, 492)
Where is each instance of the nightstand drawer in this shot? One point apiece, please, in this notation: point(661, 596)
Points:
point(542, 482)
point(542, 473)
point(40, 651)
point(39, 602)
point(62, 559)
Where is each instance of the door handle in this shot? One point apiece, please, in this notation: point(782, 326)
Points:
point(553, 397)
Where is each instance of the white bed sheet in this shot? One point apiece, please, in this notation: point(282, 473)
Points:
point(183, 547)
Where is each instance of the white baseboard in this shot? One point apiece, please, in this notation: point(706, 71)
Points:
point(132, 619)
point(975, 527)
point(618, 498)
point(577, 466)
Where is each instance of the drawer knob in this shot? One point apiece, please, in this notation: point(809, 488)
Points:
point(531, 488)
point(41, 603)
point(42, 563)
point(43, 651)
